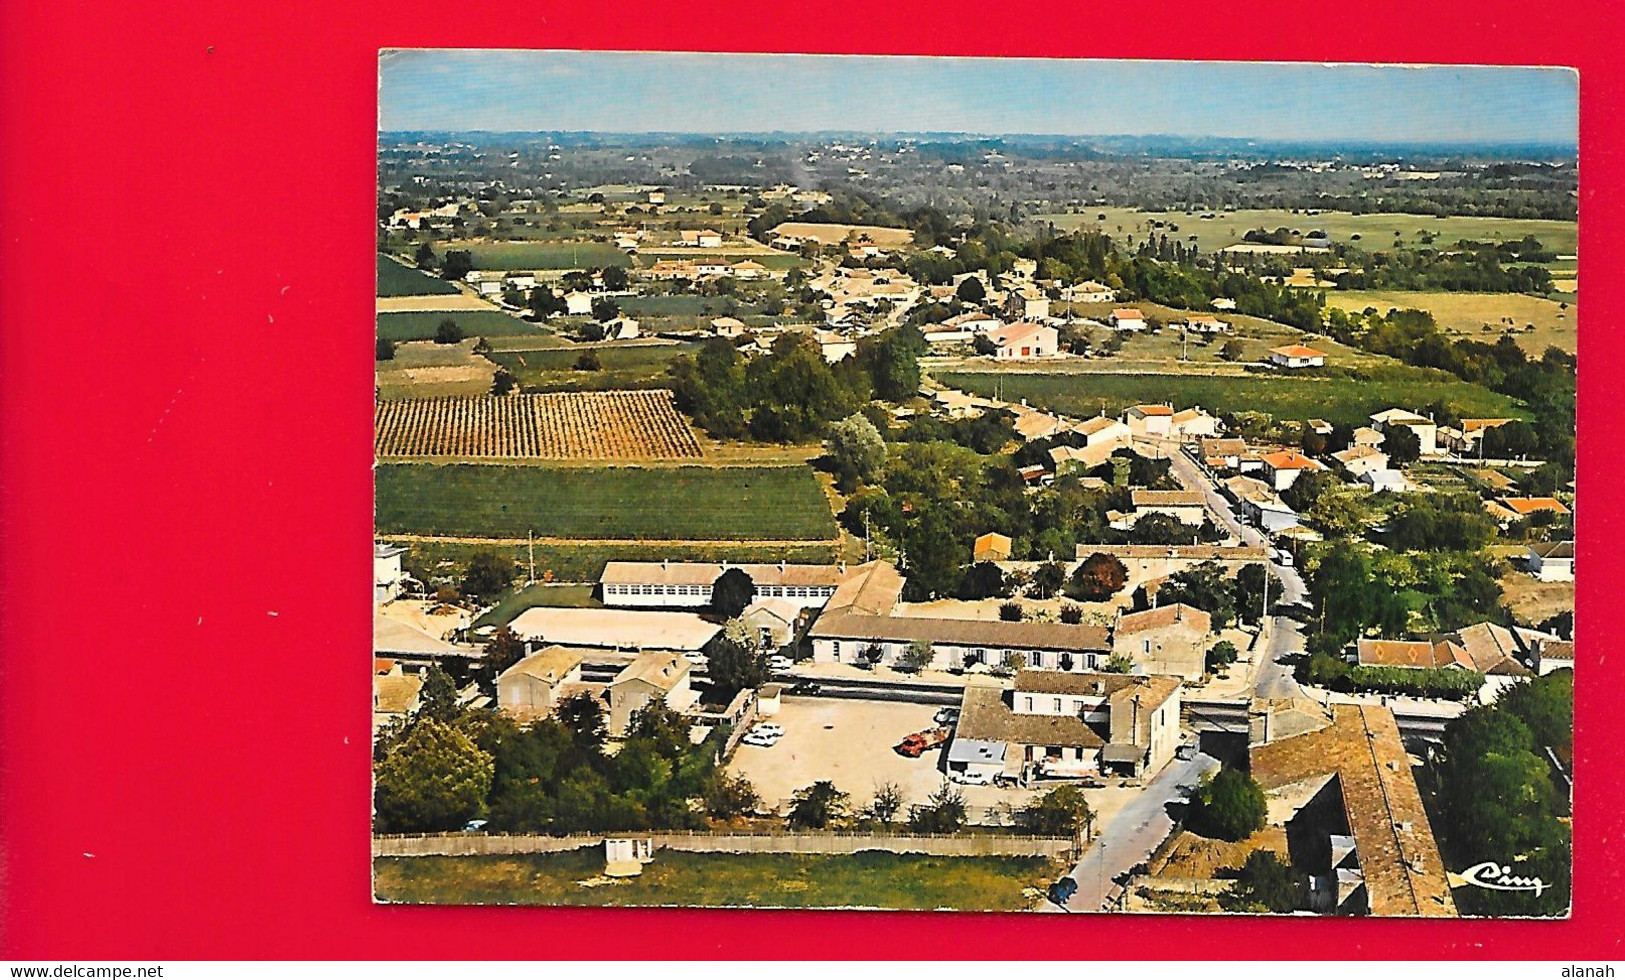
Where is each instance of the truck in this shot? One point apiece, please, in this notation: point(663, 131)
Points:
point(918, 743)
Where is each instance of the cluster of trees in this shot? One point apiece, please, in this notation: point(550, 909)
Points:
point(1265, 883)
point(1356, 590)
point(791, 394)
point(1471, 267)
point(452, 765)
point(1323, 670)
point(1226, 598)
point(1498, 798)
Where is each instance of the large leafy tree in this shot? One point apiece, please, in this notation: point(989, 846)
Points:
point(856, 451)
point(1097, 578)
point(436, 778)
point(817, 806)
point(1230, 807)
point(732, 591)
point(1265, 883)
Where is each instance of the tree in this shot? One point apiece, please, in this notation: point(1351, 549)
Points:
point(545, 303)
point(984, 580)
point(727, 796)
point(438, 697)
point(916, 657)
point(1509, 440)
point(584, 718)
point(943, 812)
point(1011, 612)
point(503, 650)
point(1230, 806)
point(448, 332)
point(885, 804)
point(817, 806)
point(425, 257)
point(487, 574)
point(1402, 444)
point(1048, 579)
point(615, 278)
point(588, 360)
point(732, 591)
point(502, 382)
point(1097, 578)
point(1221, 654)
point(735, 666)
point(1071, 614)
point(1266, 884)
point(1062, 810)
point(457, 265)
point(385, 350)
point(605, 310)
point(434, 779)
point(1231, 350)
point(1204, 587)
point(970, 290)
point(856, 450)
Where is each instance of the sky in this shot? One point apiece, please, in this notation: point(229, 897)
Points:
point(569, 91)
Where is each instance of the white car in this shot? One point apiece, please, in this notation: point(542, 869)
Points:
point(970, 778)
point(1283, 557)
point(768, 729)
point(760, 741)
point(780, 664)
point(697, 659)
point(947, 716)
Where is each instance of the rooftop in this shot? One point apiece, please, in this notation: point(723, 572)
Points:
point(985, 717)
point(550, 664)
point(662, 670)
point(1297, 350)
point(1166, 616)
point(617, 629)
point(705, 573)
point(1412, 653)
point(1165, 498)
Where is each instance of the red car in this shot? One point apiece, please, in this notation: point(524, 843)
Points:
point(918, 743)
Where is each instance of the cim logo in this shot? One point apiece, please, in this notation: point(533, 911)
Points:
point(1499, 877)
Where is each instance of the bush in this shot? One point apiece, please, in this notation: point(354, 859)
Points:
point(1221, 654)
point(1011, 612)
point(1326, 671)
point(588, 361)
point(448, 332)
point(1071, 614)
point(1266, 884)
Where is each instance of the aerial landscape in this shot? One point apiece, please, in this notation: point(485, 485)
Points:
point(863, 483)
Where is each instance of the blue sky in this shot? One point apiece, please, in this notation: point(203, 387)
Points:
point(705, 93)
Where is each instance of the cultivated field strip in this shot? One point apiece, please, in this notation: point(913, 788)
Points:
point(564, 425)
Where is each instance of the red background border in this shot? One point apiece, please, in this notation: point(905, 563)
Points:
point(186, 201)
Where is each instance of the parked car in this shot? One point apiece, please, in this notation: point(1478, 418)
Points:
point(1062, 891)
point(970, 778)
point(779, 663)
point(760, 741)
point(805, 687)
point(917, 744)
point(769, 729)
point(474, 826)
point(1283, 557)
point(1186, 751)
point(947, 716)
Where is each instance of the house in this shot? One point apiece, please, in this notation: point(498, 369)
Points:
point(1319, 427)
point(1128, 319)
point(1089, 292)
point(1505, 510)
point(1419, 654)
point(653, 676)
point(1552, 655)
point(857, 626)
point(1024, 268)
point(1193, 423)
point(773, 621)
point(388, 577)
point(1427, 433)
point(704, 238)
point(395, 696)
point(1467, 438)
point(1496, 651)
point(1027, 303)
point(530, 688)
point(1222, 454)
point(1169, 639)
point(578, 303)
point(1385, 481)
point(834, 346)
point(1032, 424)
point(749, 271)
point(991, 547)
point(672, 269)
point(1152, 421)
point(1282, 468)
point(1382, 858)
point(1102, 432)
point(1297, 356)
point(1258, 504)
point(1067, 724)
point(1206, 324)
point(613, 629)
point(1065, 460)
point(657, 197)
point(1366, 436)
point(621, 328)
point(687, 585)
point(1021, 341)
point(1551, 561)
point(1359, 460)
point(1184, 506)
point(727, 326)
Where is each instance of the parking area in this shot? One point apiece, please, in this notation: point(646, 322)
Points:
point(850, 743)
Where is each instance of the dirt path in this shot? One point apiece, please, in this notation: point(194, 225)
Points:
point(588, 542)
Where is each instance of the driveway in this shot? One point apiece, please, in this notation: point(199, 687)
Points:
point(1128, 837)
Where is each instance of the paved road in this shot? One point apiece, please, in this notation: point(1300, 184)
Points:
point(1132, 834)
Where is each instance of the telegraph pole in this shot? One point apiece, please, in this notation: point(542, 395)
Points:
point(530, 548)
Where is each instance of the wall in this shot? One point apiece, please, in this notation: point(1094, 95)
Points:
point(964, 845)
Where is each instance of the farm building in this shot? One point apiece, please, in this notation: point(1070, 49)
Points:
point(1149, 420)
point(1128, 319)
point(1297, 356)
point(1551, 561)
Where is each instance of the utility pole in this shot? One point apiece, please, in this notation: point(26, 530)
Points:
point(530, 548)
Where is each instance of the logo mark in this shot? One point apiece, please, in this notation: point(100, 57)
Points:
point(1499, 877)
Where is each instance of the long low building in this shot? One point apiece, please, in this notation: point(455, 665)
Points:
point(858, 626)
point(687, 585)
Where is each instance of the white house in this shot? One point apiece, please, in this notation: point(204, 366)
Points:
point(1027, 303)
point(1282, 469)
point(1551, 561)
point(1384, 481)
point(1297, 356)
point(621, 328)
point(387, 573)
point(578, 303)
point(1022, 341)
point(1193, 423)
point(530, 689)
point(1427, 432)
point(834, 346)
point(1149, 420)
point(727, 326)
point(1127, 319)
point(1207, 324)
point(1089, 292)
point(1360, 460)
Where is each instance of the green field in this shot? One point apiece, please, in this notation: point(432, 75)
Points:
point(447, 560)
point(539, 595)
point(693, 502)
point(541, 255)
point(642, 366)
point(1336, 399)
point(869, 879)
point(1467, 314)
point(475, 323)
point(1376, 231)
point(395, 279)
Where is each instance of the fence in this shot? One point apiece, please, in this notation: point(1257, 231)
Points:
point(829, 842)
